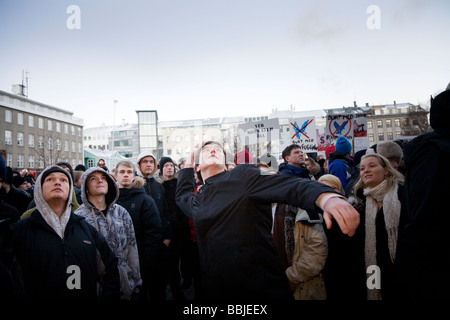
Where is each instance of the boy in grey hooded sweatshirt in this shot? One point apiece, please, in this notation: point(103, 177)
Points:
point(114, 223)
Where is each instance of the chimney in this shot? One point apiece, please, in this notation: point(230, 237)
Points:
point(395, 103)
point(354, 104)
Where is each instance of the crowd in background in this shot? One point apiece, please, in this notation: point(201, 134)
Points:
point(131, 238)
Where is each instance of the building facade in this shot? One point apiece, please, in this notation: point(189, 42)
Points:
point(35, 135)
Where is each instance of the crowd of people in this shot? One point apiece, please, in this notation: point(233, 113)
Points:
point(349, 226)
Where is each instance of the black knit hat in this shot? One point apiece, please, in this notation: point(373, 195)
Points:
point(54, 168)
point(440, 111)
point(163, 161)
point(18, 180)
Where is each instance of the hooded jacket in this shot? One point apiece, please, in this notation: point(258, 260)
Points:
point(117, 227)
point(46, 246)
point(341, 167)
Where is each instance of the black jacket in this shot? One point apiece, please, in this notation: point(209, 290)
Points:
point(233, 219)
point(44, 259)
point(147, 224)
point(423, 241)
point(156, 190)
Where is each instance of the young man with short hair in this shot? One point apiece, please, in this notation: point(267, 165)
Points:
point(147, 225)
point(99, 194)
point(233, 218)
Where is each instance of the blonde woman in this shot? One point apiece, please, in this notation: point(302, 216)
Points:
point(332, 181)
point(378, 191)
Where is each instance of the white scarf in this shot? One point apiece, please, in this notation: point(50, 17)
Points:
point(391, 211)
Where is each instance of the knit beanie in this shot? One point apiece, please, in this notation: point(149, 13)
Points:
point(163, 161)
point(390, 149)
point(440, 111)
point(242, 157)
point(18, 180)
point(54, 168)
point(343, 145)
point(144, 154)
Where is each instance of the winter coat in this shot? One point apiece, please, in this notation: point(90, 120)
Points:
point(117, 228)
point(17, 198)
point(179, 223)
point(301, 172)
point(341, 167)
point(156, 190)
point(423, 234)
point(46, 248)
point(147, 225)
point(308, 260)
point(233, 217)
point(10, 288)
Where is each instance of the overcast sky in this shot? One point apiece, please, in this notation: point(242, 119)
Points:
point(192, 59)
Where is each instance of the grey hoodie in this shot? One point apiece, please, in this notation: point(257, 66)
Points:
point(117, 228)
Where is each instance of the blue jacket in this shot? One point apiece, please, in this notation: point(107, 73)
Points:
point(340, 167)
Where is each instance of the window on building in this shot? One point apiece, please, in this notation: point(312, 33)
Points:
point(20, 161)
point(397, 123)
point(40, 123)
point(31, 140)
point(20, 118)
point(369, 124)
point(370, 136)
point(49, 125)
point(41, 142)
point(398, 133)
point(72, 130)
point(388, 123)
point(58, 144)
point(379, 123)
point(79, 131)
point(50, 143)
point(8, 116)
point(66, 145)
point(390, 136)
point(58, 127)
point(30, 161)
point(381, 137)
point(9, 160)
point(41, 162)
point(80, 147)
point(73, 146)
point(8, 137)
point(66, 129)
point(90, 163)
point(31, 121)
point(20, 139)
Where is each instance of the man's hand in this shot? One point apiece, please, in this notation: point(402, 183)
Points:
point(190, 160)
point(343, 212)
